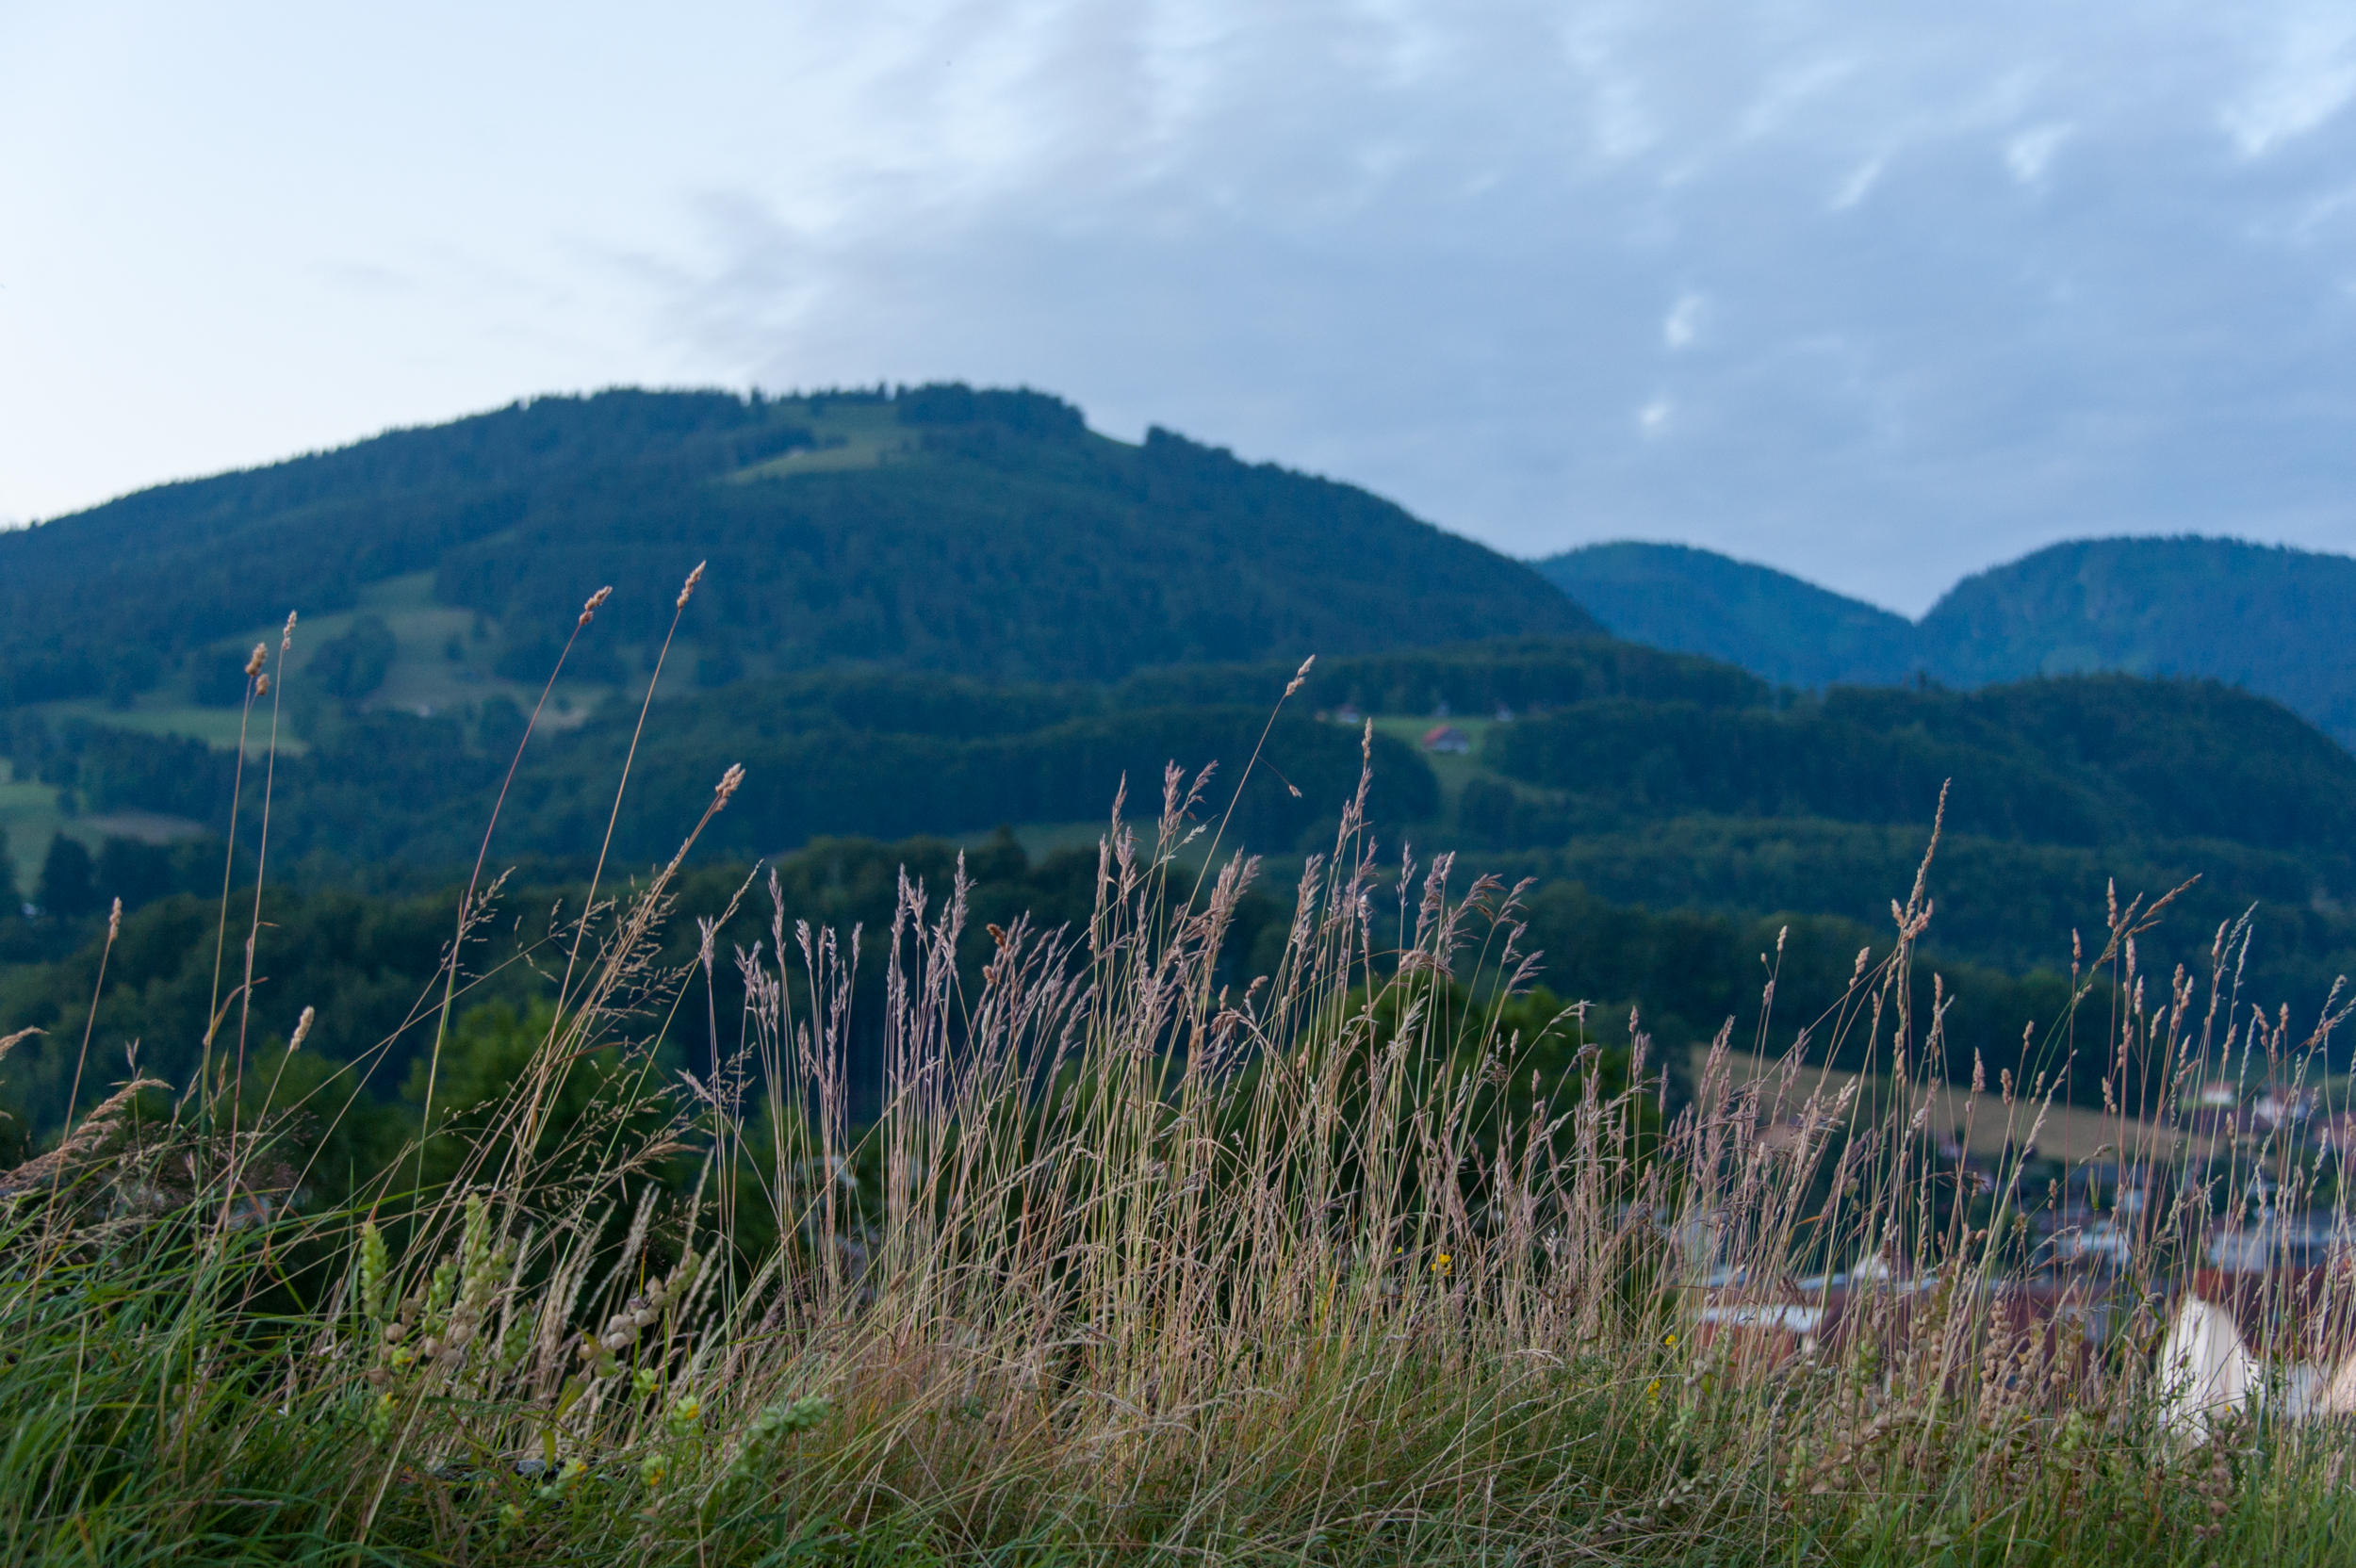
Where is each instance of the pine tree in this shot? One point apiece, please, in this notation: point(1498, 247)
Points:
point(65, 889)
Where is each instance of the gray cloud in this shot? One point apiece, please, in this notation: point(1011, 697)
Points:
point(1878, 297)
point(1878, 293)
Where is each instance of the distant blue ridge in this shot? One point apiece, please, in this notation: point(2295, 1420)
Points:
point(2269, 619)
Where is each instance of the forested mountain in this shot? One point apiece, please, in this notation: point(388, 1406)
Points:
point(990, 532)
point(2270, 620)
point(1769, 622)
point(2274, 620)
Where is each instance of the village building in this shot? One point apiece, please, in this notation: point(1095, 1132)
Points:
point(1446, 740)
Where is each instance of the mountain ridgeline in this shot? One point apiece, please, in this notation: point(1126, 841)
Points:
point(2269, 619)
point(989, 532)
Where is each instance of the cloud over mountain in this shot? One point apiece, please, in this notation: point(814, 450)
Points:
point(1879, 296)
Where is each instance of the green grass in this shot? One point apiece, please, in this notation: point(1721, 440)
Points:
point(850, 435)
point(1454, 770)
point(423, 678)
point(29, 816)
point(159, 714)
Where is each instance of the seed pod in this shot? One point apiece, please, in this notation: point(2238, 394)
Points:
point(373, 1266)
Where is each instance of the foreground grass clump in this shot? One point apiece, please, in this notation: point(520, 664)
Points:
point(1131, 1267)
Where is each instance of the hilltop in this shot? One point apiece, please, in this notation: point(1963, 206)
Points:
point(2267, 618)
point(939, 527)
point(2271, 619)
point(1774, 624)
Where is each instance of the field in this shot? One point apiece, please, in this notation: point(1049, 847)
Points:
point(850, 435)
point(442, 665)
point(1984, 1126)
point(28, 814)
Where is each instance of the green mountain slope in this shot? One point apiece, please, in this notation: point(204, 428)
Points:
point(2274, 620)
point(2058, 787)
point(1655, 778)
point(1769, 622)
point(2269, 619)
point(1651, 780)
point(986, 532)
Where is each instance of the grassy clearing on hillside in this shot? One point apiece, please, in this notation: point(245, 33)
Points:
point(849, 435)
point(162, 715)
point(29, 817)
point(1360, 1265)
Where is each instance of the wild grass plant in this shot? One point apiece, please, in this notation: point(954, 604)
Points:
point(1133, 1264)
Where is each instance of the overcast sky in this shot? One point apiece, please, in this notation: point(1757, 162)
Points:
point(1878, 292)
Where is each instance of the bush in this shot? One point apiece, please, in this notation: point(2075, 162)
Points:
point(354, 664)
